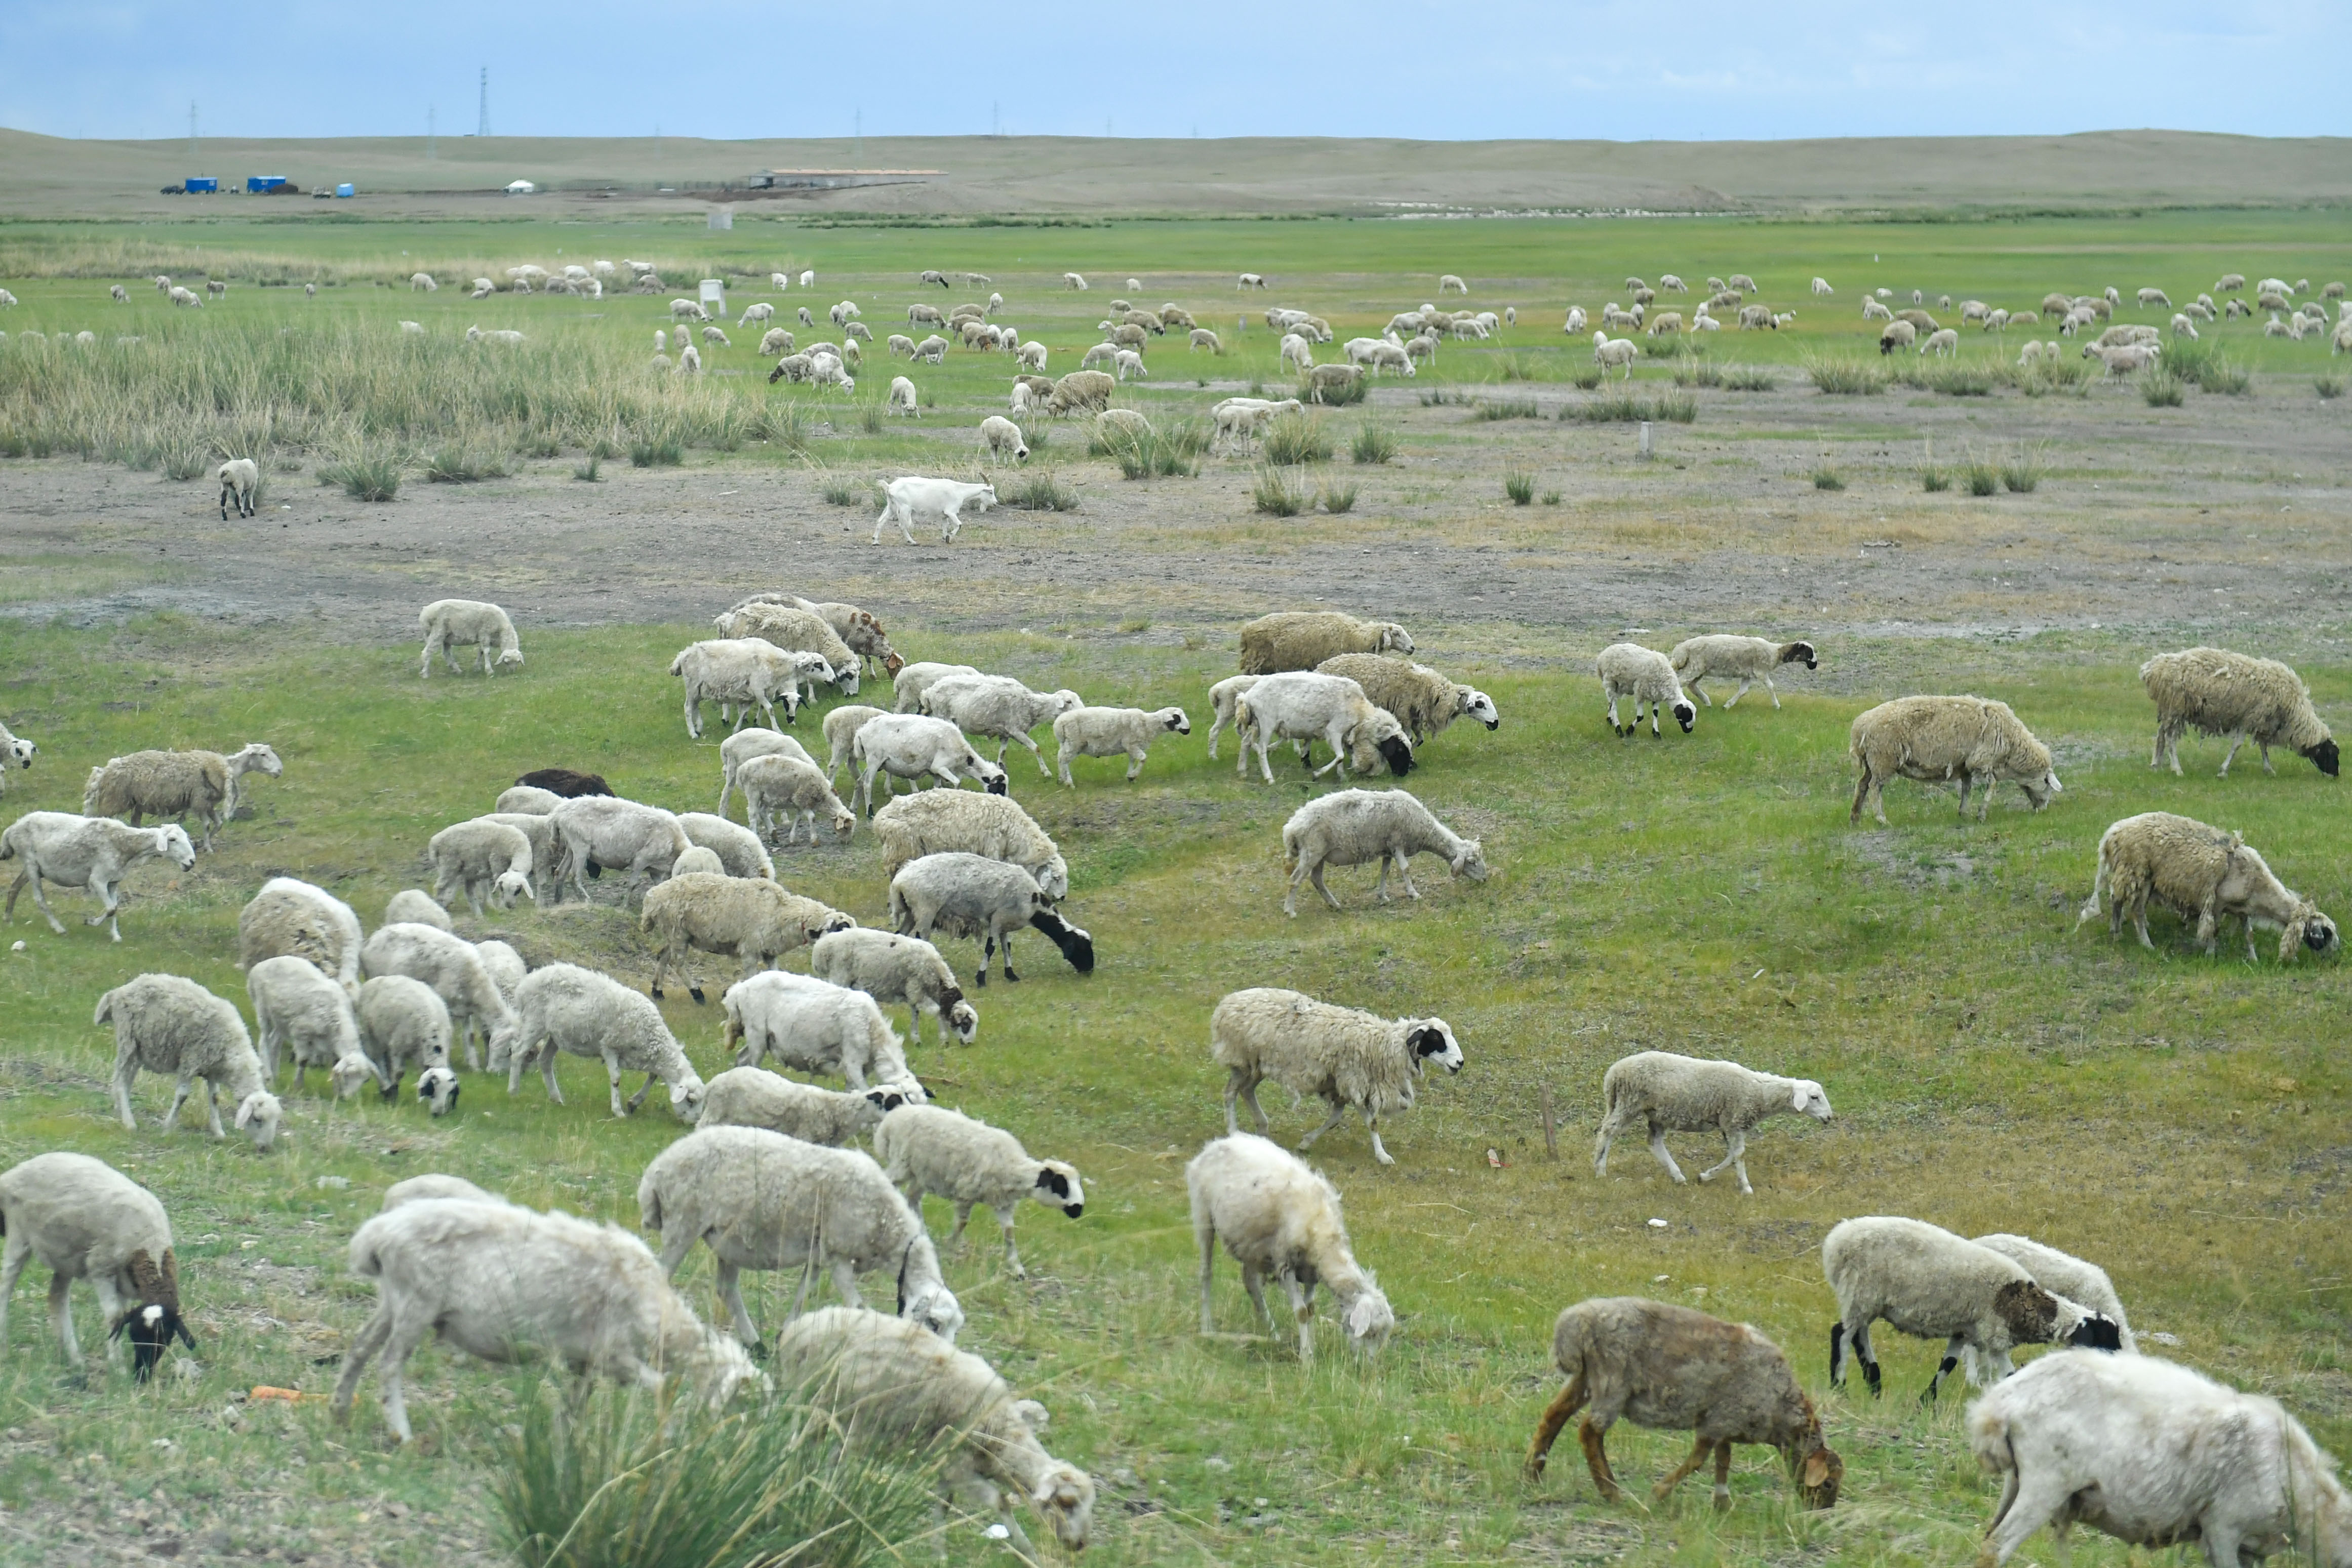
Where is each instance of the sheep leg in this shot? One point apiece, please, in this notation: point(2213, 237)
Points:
point(547, 1055)
point(955, 1237)
point(643, 1090)
point(1338, 1113)
point(1943, 1368)
point(1290, 896)
point(1723, 1467)
point(1405, 874)
point(1010, 978)
point(432, 646)
point(1011, 1253)
point(403, 1340)
point(1134, 765)
point(1302, 1311)
point(212, 1109)
point(2030, 1508)
point(1043, 770)
point(19, 1253)
point(1238, 1082)
point(1698, 1456)
point(613, 1081)
point(1249, 1094)
point(1609, 1124)
point(111, 1305)
point(1373, 1125)
point(356, 1362)
point(845, 1282)
point(125, 1071)
point(1255, 1283)
point(1745, 683)
point(1695, 690)
point(170, 1120)
point(61, 1317)
point(731, 1292)
point(1204, 1235)
point(1593, 1435)
point(1658, 1149)
point(2236, 741)
point(2265, 747)
point(1734, 1153)
point(1565, 1403)
point(1380, 886)
point(1317, 878)
point(39, 898)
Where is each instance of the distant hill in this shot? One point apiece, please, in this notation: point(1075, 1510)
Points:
point(51, 176)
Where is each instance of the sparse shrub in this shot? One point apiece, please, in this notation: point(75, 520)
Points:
point(2021, 474)
point(1676, 408)
point(183, 457)
point(464, 462)
point(1372, 444)
point(840, 489)
point(1441, 397)
point(2330, 388)
point(656, 449)
point(1842, 377)
point(1337, 497)
point(1507, 408)
point(1935, 479)
point(1512, 368)
point(1519, 485)
point(592, 471)
point(1748, 379)
point(1693, 371)
point(869, 416)
point(2229, 380)
point(1980, 477)
point(2162, 389)
point(364, 473)
point(1036, 433)
point(1040, 490)
point(1826, 477)
point(1551, 498)
point(539, 443)
point(1585, 378)
point(1960, 381)
point(1276, 494)
point(1295, 438)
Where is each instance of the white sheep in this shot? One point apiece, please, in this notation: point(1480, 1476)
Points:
point(1125, 732)
point(1347, 1057)
point(296, 1005)
point(507, 1285)
point(815, 1026)
point(1002, 439)
point(999, 706)
point(603, 831)
point(1300, 705)
point(453, 624)
point(795, 788)
point(755, 921)
point(1225, 697)
point(1670, 1093)
point(762, 1201)
point(912, 681)
point(1615, 353)
point(1970, 738)
point(564, 1007)
point(700, 861)
point(1421, 699)
point(472, 856)
point(840, 726)
point(1744, 659)
point(907, 499)
point(456, 972)
point(939, 821)
point(737, 851)
point(403, 1021)
point(911, 745)
point(1279, 1218)
point(413, 905)
point(985, 899)
point(904, 971)
point(2217, 692)
point(238, 478)
point(289, 915)
point(94, 853)
point(2202, 873)
point(86, 1220)
point(164, 1023)
point(748, 673)
point(15, 752)
point(1821, 286)
point(1357, 827)
point(2063, 1274)
point(754, 1097)
point(201, 787)
point(928, 1150)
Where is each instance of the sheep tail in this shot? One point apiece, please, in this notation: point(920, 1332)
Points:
point(105, 1010)
point(2102, 882)
point(1988, 1440)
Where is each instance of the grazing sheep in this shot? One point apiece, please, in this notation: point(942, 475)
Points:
point(1309, 706)
point(199, 785)
point(1896, 334)
point(750, 673)
point(2203, 874)
point(405, 1021)
point(1669, 1093)
point(1080, 391)
point(93, 853)
point(1669, 1367)
point(1646, 676)
point(296, 1005)
point(2221, 693)
point(1202, 338)
point(453, 624)
point(698, 860)
point(1346, 1057)
point(2062, 1274)
point(814, 1026)
point(456, 972)
point(754, 1097)
point(2154, 1454)
point(984, 899)
point(86, 1220)
point(794, 786)
point(940, 821)
point(1002, 439)
point(562, 1006)
point(414, 906)
point(508, 1285)
point(1125, 732)
point(744, 744)
point(930, 1150)
point(602, 832)
point(910, 746)
point(798, 630)
point(164, 1023)
point(1929, 738)
point(238, 478)
point(14, 749)
point(754, 922)
point(1354, 827)
point(901, 970)
point(476, 856)
point(1000, 707)
point(1278, 1218)
point(564, 782)
point(1929, 1282)
point(289, 915)
point(1744, 659)
point(1421, 699)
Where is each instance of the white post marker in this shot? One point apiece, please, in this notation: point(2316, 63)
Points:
point(714, 296)
point(1645, 438)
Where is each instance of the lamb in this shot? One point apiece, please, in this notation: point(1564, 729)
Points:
point(17, 751)
point(999, 706)
point(1279, 1217)
point(2061, 1274)
point(2182, 327)
point(164, 1023)
point(1744, 659)
point(2221, 693)
point(738, 849)
point(1346, 1057)
point(86, 1220)
point(562, 1006)
point(1671, 1094)
point(456, 972)
point(1223, 698)
point(2200, 872)
point(1113, 732)
point(1351, 827)
point(1574, 324)
point(1307, 706)
point(93, 853)
point(841, 727)
point(927, 1149)
point(1927, 739)
point(1646, 676)
point(1302, 639)
point(453, 624)
point(296, 1005)
point(793, 786)
point(1669, 1367)
point(750, 672)
point(414, 906)
point(904, 1391)
point(602, 832)
point(2152, 1453)
point(1296, 354)
point(1129, 365)
point(1872, 310)
point(975, 896)
point(1421, 699)
point(289, 915)
point(755, 922)
point(475, 855)
point(1942, 342)
point(238, 478)
point(910, 746)
point(505, 1284)
point(900, 971)
point(814, 1026)
point(905, 499)
point(754, 1097)
point(1930, 1283)
point(202, 785)
point(941, 821)
point(1002, 439)
point(1072, 280)
point(403, 1021)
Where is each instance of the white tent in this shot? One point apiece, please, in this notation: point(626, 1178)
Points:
point(521, 188)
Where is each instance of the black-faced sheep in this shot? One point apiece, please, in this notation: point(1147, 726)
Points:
point(2216, 691)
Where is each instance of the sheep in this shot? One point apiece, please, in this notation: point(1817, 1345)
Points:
point(453, 624)
point(901, 970)
point(1929, 1282)
point(1202, 338)
point(1896, 335)
point(1100, 354)
point(475, 855)
point(216, 288)
point(1001, 439)
point(93, 853)
point(601, 832)
point(1615, 353)
point(1667, 1366)
point(1223, 698)
point(481, 288)
point(762, 311)
point(238, 478)
point(1072, 280)
point(2152, 1453)
point(1926, 739)
point(1302, 639)
point(1277, 1217)
point(16, 750)
point(86, 1220)
point(456, 972)
point(1671, 1094)
point(1745, 659)
point(841, 727)
point(750, 672)
point(828, 372)
point(797, 629)
point(1648, 676)
point(1296, 354)
point(940, 820)
point(562, 1006)
point(2182, 327)
point(756, 922)
point(414, 905)
point(402, 1020)
point(910, 746)
point(289, 915)
point(1942, 342)
point(814, 1026)
point(164, 1023)
point(744, 744)
point(700, 860)
point(2201, 872)
point(845, 312)
point(1575, 323)
point(1113, 732)
point(999, 706)
point(1425, 701)
point(1082, 391)
point(754, 1097)
point(1129, 365)
point(927, 1149)
point(2062, 1274)
point(1872, 310)
point(737, 850)
point(1308, 706)
point(504, 1284)
point(794, 786)
point(199, 785)
point(2221, 693)
point(905, 498)
point(296, 1005)
point(975, 896)
point(1347, 1057)
point(1351, 827)
point(1325, 379)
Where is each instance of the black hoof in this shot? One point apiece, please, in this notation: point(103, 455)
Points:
point(982, 978)
point(695, 992)
point(654, 992)
point(1011, 978)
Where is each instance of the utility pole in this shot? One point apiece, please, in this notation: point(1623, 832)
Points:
point(484, 127)
point(429, 152)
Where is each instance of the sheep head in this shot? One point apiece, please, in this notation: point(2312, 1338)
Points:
point(1807, 1098)
point(1065, 1496)
point(1368, 1318)
point(172, 841)
point(1685, 713)
point(1817, 1473)
point(1471, 863)
point(2308, 928)
point(2030, 1312)
point(21, 752)
point(1077, 945)
point(151, 1330)
point(2324, 756)
point(257, 1115)
point(1057, 1187)
point(961, 1016)
point(1432, 1039)
point(511, 885)
point(348, 1074)
point(436, 1088)
point(1791, 652)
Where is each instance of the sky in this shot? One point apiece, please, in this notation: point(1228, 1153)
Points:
point(1465, 70)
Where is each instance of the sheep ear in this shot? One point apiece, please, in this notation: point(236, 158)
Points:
point(1034, 1416)
point(1798, 1098)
